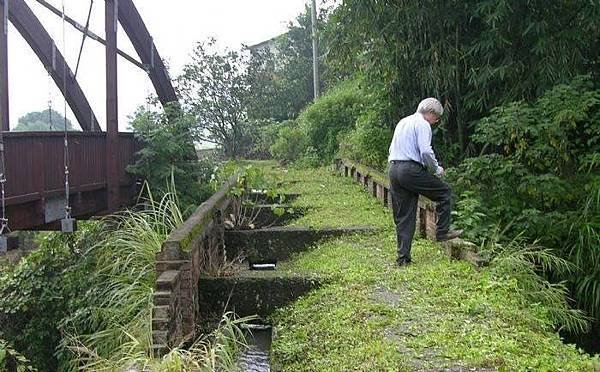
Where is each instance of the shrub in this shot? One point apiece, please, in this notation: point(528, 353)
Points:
point(330, 115)
point(551, 135)
point(369, 142)
point(12, 360)
point(169, 152)
point(259, 137)
point(290, 144)
point(542, 183)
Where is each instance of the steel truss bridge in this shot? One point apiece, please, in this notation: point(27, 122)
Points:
point(34, 174)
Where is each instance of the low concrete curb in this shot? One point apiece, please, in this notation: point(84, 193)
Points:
point(279, 243)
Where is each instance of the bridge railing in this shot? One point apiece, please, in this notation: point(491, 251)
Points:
point(36, 175)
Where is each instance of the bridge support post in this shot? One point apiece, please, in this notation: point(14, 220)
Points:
point(4, 65)
point(112, 124)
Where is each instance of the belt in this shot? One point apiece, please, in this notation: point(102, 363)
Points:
point(402, 161)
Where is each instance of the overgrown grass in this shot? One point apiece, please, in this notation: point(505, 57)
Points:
point(116, 321)
point(217, 351)
point(434, 314)
point(114, 331)
point(83, 301)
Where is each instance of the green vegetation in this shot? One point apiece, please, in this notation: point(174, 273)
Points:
point(84, 301)
point(540, 182)
point(12, 359)
point(216, 91)
point(282, 83)
point(291, 143)
point(168, 155)
point(437, 312)
point(520, 88)
point(47, 120)
point(473, 55)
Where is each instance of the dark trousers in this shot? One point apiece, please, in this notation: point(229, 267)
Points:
point(408, 180)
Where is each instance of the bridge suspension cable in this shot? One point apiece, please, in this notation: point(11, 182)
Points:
point(89, 33)
point(85, 32)
point(68, 223)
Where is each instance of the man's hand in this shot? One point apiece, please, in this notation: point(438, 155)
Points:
point(440, 172)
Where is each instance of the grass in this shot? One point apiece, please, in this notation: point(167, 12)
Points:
point(372, 315)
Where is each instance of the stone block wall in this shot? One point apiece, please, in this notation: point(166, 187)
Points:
point(378, 185)
point(178, 268)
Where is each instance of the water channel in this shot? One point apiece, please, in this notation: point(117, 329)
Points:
point(256, 358)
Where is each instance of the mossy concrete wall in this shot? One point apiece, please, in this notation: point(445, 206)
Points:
point(178, 266)
point(279, 243)
point(250, 293)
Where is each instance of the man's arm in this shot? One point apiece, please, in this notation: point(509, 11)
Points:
point(427, 154)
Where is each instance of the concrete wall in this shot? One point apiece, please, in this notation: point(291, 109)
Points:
point(178, 268)
point(378, 185)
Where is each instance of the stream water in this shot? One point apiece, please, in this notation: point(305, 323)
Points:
point(256, 357)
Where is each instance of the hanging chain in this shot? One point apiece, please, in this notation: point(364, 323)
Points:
point(66, 139)
point(4, 219)
point(50, 101)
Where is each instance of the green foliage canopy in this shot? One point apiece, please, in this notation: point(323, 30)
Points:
point(214, 88)
point(282, 83)
point(47, 120)
point(168, 152)
point(541, 179)
point(473, 55)
point(334, 113)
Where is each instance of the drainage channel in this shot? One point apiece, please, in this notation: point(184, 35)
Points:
point(259, 336)
point(256, 357)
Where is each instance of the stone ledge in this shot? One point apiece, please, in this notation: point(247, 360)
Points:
point(250, 295)
point(279, 243)
point(162, 298)
point(160, 337)
point(169, 265)
point(159, 349)
point(160, 324)
point(167, 281)
point(460, 249)
point(262, 197)
point(161, 312)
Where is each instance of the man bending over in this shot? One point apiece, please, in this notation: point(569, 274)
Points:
point(415, 171)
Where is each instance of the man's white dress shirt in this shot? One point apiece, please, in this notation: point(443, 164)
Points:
point(412, 141)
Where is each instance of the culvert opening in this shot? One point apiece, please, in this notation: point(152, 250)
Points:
point(256, 357)
point(271, 265)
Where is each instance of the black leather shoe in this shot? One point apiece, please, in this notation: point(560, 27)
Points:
point(452, 234)
point(401, 263)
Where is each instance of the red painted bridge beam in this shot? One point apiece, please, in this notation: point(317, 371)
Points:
point(29, 26)
point(4, 66)
point(136, 30)
point(112, 124)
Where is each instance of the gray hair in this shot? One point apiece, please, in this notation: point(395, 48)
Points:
point(430, 105)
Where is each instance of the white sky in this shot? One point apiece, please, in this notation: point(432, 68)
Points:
point(175, 25)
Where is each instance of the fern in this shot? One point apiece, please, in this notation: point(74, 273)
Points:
point(528, 264)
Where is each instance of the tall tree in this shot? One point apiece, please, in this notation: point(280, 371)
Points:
point(282, 81)
point(47, 120)
point(214, 88)
point(473, 54)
